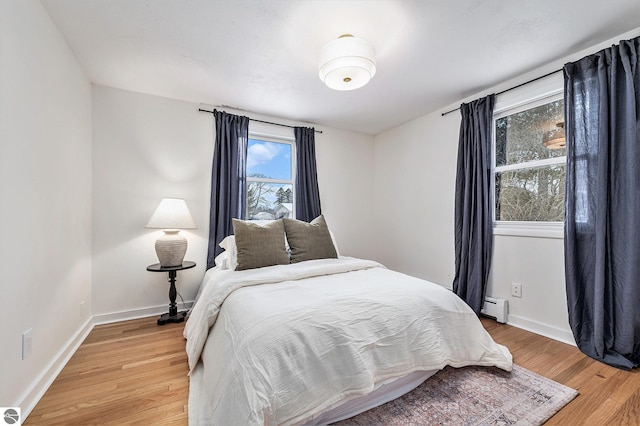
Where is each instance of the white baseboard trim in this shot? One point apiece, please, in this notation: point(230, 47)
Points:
point(129, 315)
point(135, 314)
point(545, 330)
point(32, 395)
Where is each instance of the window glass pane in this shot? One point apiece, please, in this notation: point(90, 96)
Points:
point(531, 194)
point(267, 201)
point(268, 159)
point(522, 136)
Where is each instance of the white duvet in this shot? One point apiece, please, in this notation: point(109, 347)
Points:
point(290, 341)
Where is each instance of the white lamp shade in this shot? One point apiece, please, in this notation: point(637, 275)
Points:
point(171, 213)
point(347, 63)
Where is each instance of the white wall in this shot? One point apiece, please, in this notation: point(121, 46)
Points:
point(146, 148)
point(345, 177)
point(414, 182)
point(414, 205)
point(45, 198)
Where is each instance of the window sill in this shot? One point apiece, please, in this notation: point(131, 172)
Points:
point(529, 229)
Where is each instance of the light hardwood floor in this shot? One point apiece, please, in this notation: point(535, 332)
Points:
point(135, 372)
point(132, 372)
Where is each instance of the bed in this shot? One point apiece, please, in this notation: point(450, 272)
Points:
point(320, 340)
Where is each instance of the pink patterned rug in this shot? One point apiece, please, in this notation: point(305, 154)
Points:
point(473, 396)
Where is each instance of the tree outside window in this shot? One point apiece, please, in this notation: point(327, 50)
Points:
point(530, 164)
point(270, 185)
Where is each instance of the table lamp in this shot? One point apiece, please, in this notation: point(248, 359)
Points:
point(171, 215)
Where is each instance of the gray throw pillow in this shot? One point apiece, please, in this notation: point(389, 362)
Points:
point(259, 246)
point(309, 241)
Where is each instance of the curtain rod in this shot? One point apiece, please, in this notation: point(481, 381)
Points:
point(511, 88)
point(260, 121)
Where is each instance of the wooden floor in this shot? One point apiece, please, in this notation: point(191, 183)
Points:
point(132, 372)
point(135, 372)
point(608, 396)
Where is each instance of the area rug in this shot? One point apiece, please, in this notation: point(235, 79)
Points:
point(473, 396)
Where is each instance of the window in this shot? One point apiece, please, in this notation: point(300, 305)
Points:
point(270, 178)
point(530, 163)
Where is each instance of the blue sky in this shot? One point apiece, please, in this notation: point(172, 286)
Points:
point(269, 158)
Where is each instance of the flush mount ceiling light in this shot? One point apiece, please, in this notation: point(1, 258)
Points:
point(347, 63)
point(555, 138)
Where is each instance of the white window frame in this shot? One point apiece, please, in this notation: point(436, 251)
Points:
point(283, 140)
point(521, 228)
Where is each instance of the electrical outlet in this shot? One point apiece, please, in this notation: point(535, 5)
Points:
point(516, 289)
point(26, 343)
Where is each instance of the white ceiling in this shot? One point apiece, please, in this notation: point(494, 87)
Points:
point(261, 56)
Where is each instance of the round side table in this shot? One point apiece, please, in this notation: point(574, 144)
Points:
point(173, 315)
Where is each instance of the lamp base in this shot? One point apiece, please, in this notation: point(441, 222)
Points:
point(171, 248)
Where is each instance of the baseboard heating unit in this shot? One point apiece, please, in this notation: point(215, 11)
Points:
point(495, 308)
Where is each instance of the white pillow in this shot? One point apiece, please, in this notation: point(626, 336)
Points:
point(333, 239)
point(228, 259)
point(221, 260)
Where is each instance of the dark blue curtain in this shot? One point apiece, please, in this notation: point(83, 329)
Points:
point(307, 192)
point(228, 179)
point(473, 221)
point(602, 215)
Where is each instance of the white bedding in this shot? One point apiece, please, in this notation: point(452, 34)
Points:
point(289, 342)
